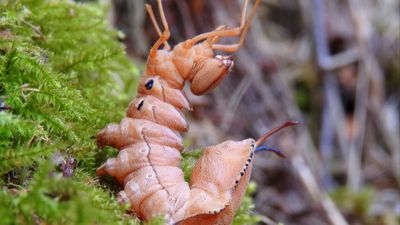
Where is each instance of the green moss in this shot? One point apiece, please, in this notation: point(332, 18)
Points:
point(354, 203)
point(188, 161)
point(59, 78)
point(59, 63)
point(51, 198)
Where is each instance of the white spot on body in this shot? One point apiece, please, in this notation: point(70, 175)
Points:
point(134, 187)
point(124, 156)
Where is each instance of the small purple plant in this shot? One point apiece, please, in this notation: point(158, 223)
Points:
point(67, 164)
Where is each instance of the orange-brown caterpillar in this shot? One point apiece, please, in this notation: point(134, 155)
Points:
point(148, 164)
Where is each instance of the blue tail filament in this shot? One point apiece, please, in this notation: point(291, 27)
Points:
point(276, 151)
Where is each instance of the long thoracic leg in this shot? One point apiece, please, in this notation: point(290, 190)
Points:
point(245, 23)
point(165, 35)
point(212, 40)
point(149, 10)
point(235, 47)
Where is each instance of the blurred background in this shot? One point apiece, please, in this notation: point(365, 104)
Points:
point(333, 65)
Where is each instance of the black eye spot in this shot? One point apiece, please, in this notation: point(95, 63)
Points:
point(149, 84)
point(140, 105)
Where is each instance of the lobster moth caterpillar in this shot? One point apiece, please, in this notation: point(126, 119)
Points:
point(149, 143)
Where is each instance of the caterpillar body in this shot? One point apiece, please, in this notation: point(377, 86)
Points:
point(149, 143)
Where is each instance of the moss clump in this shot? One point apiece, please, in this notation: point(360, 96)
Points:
point(59, 63)
point(351, 202)
point(59, 67)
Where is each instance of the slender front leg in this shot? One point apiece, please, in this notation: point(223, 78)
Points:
point(235, 47)
point(212, 40)
point(149, 10)
point(226, 32)
point(164, 36)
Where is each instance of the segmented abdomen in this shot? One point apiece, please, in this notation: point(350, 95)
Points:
point(148, 163)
